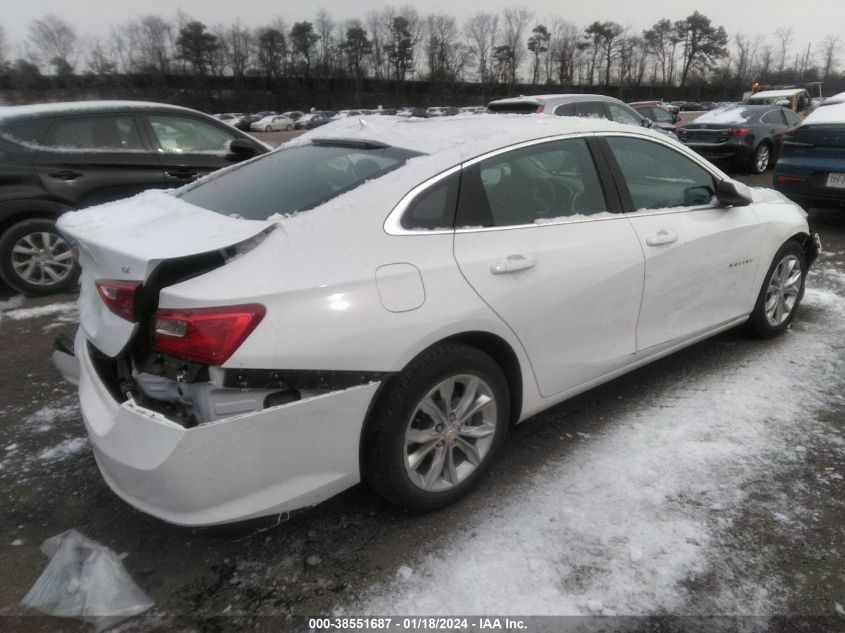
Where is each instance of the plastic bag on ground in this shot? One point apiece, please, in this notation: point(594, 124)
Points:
point(85, 580)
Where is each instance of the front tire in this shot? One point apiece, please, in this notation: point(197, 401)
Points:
point(436, 428)
point(35, 260)
point(781, 294)
point(268, 129)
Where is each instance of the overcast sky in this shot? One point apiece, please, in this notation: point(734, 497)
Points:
point(811, 20)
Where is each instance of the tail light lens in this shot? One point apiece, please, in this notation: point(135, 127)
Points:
point(740, 131)
point(784, 178)
point(119, 297)
point(541, 108)
point(206, 335)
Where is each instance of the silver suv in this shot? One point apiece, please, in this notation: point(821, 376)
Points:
point(583, 105)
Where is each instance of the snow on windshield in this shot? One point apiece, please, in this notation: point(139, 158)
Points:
point(732, 114)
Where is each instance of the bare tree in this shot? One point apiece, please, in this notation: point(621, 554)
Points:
point(237, 42)
point(831, 47)
point(564, 49)
point(375, 24)
point(784, 36)
point(325, 26)
point(446, 55)
point(54, 40)
point(516, 20)
point(746, 47)
point(481, 30)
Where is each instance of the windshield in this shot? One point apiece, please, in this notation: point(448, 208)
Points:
point(295, 178)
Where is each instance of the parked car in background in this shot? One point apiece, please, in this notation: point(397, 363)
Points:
point(411, 330)
point(314, 119)
point(436, 111)
point(797, 100)
point(245, 122)
point(473, 110)
point(660, 116)
point(746, 136)
point(688, 106)
point(273, 123)
point(580, 105)
point(412, 112)
point(63, 156)
point(811, 166)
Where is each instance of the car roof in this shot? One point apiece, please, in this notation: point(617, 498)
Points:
point(554, 98)
point(467, 134)
point(767, 94)
point(25, 112)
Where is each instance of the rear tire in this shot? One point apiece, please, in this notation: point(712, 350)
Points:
point(35, 260)
point(436, 428)
point(762, 159)
point(781, 294)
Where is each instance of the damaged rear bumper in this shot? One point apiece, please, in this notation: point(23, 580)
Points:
point(269, 462)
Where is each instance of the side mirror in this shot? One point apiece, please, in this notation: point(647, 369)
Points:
point(646, 122)
point(733, 193)
point(241, 149)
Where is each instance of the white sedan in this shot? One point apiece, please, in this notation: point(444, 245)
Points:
point(272, 123)
point(380, 299)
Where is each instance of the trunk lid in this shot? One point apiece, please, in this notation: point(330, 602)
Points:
point(129, 239)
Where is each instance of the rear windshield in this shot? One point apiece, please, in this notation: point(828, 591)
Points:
point(294, 179)
point(515, 107)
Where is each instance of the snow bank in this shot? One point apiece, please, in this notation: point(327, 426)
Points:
point(634, 511)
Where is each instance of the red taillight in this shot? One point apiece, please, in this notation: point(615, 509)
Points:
point(206, 335)
point(119, 297)
point(540, 108)
point(786, 178)
point(740, 131)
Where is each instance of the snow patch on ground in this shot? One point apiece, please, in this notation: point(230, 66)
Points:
point(64, 449)
point(631, 515)
point(67, 309)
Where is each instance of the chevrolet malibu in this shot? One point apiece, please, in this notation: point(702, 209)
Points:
point(380, 299)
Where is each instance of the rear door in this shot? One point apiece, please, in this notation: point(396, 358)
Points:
point(535, 240)
point(92, 159)
point(188, 147)
point(700, 259)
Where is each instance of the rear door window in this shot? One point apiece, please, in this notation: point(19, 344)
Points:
point(533, 185)
point(105, 132)
point(773, 117)
point(590, 109)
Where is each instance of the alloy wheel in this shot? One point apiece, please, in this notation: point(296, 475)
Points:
point(761, 158)
point(450, 432)
point(42, 258)
point(783, 290)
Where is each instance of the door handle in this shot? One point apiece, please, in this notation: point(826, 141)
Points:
point(662, 237)
point(181, 174)
point(65, 174)
point(511, 264)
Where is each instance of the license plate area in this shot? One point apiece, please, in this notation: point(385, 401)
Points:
point(836, 180)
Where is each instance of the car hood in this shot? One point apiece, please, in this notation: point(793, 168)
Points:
point(127, 240)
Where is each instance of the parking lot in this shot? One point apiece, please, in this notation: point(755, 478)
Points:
point(710, 482)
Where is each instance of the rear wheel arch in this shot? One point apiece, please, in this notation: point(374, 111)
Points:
point(499, 350)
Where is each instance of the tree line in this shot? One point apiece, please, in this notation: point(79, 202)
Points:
point(397, 45)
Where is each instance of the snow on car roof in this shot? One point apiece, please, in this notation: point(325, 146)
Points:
point(472, 134)
point(829, 112)
point(766, 94)
point(44, 109)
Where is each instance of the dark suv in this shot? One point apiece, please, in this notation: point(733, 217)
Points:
point(64, 156)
